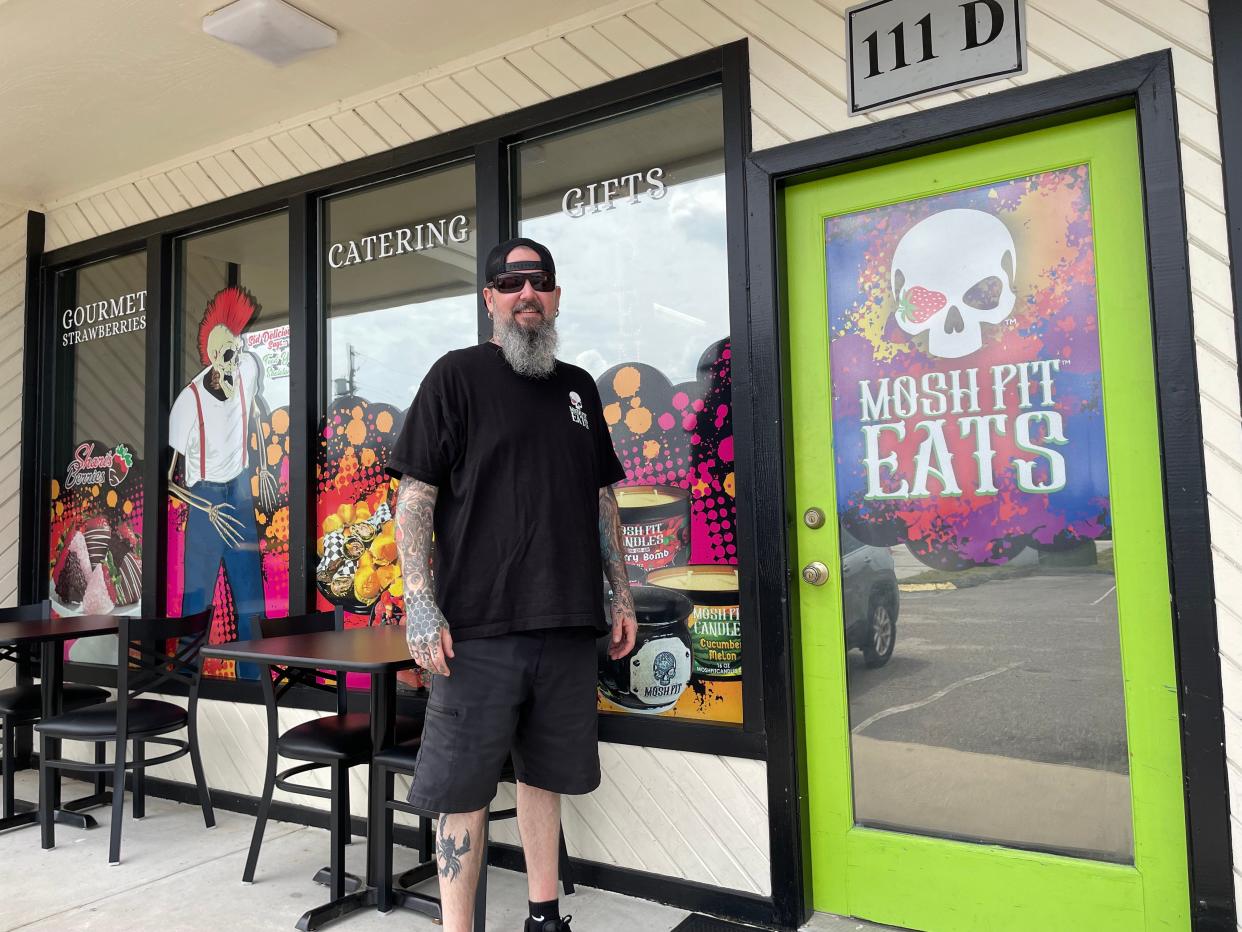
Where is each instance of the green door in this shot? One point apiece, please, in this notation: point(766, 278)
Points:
point(989, 690)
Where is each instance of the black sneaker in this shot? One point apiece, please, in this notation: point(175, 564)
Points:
point(548, 925)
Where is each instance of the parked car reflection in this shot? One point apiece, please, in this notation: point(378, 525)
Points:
point(871, 599)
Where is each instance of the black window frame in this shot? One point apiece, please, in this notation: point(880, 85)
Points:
point(489, 145)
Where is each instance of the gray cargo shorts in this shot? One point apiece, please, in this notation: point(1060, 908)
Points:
point(530, 694)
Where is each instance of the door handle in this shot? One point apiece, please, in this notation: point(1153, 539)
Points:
point(815, 573)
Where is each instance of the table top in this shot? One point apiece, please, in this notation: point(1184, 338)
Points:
point(57, 629)
point(360, 650)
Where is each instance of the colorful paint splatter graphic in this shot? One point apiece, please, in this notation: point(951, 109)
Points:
point(357, 565)
point(681, 436)
point(968, 420)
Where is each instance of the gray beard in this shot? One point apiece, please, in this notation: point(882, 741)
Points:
point(531, 353)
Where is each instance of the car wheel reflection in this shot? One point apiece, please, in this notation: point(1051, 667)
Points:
point(881, 635)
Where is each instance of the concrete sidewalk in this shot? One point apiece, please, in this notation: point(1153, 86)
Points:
point(176, 876)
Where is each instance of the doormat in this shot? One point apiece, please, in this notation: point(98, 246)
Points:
point(700, 923)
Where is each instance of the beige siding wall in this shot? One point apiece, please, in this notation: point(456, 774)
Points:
point(12, 311)
point(692, 816)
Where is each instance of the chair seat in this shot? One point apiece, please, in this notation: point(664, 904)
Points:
point(98, 722)
point(401, 758)
point(25, 704)
point(338, 738)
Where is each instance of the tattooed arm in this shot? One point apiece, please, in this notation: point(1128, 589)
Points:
point(624, 625)
point(426, 629)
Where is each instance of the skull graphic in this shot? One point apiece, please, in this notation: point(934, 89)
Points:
point(952, 272)
point(223, 350)
point(575, 399)
point(664, 668)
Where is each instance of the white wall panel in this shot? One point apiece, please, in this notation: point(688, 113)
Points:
point(12, 325)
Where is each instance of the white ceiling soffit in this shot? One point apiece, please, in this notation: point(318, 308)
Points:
point(91, 91)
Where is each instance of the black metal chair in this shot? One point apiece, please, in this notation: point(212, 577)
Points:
point(143, 664)
point(401, 759)
point(22, 705)
point(338, 742)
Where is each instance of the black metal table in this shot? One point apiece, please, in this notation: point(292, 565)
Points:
point(381, 652)
point(50, 635)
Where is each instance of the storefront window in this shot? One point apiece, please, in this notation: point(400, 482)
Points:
point(633, 210)
point(95, 561)
point(399, 291)
point(228, 505)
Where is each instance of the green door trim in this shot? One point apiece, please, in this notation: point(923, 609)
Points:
point(931, 883)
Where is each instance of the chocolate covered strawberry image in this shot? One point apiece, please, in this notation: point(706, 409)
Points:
point(97, 599)
point(73, 568)
point(122, 459)
point(128, 579)
point(98, 535)
point(919, 304)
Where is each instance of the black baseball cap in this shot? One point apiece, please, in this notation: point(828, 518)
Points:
point(496, 258)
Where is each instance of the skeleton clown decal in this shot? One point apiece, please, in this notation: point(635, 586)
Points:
point(213, 425)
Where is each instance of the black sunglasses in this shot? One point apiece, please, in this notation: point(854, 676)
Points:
point(512, 282)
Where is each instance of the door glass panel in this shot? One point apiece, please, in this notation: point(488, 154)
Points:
point(984, 669)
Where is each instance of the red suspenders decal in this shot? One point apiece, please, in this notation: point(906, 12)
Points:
point(202, 426)
point(202, 434)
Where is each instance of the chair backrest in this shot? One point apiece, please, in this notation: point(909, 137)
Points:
point(286, 678)
point(162, 628)
point(152, 651)
point(303, 624)
point(31, 612)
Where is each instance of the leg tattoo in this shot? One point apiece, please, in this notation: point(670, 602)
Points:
point(450, 854)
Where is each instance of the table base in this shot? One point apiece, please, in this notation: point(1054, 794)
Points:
point(69, 814)
point(368, 898)
point(353, 882)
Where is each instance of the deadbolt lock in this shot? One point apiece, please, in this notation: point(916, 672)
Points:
point(815, 573)
point(813, 518)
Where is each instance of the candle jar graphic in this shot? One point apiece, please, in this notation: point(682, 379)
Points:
point(655, 526)
point(715, 628)
point(652, 677)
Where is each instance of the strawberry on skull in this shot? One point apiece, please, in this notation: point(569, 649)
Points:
point(952, 272)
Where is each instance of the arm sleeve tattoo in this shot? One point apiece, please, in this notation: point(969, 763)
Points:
point(612, 550)
point(416, 502)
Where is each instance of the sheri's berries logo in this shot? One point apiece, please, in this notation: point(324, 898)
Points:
point(122, 460)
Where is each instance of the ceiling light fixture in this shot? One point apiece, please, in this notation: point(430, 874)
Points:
point(272, 29)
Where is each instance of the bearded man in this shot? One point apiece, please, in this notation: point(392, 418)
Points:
point(211, 425)
point(506, 456)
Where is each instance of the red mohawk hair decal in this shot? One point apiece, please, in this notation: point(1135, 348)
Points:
point(233, 308)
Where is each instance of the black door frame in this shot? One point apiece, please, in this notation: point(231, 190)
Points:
point(1225, 18)
point(1145, 85)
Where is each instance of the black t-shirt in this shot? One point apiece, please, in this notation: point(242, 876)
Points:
point(518, 464)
